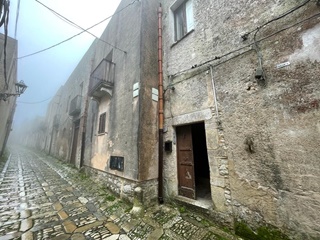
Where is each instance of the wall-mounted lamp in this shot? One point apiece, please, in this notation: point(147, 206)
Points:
point(20, 88)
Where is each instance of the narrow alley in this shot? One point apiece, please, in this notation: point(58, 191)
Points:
point(44, 198)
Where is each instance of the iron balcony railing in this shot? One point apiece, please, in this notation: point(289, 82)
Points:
point(102, 79)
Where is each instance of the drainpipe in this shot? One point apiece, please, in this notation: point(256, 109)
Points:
point(161, 117)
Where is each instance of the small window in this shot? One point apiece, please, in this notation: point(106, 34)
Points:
point(183, 19)
point(102, 123)
point(117, 163)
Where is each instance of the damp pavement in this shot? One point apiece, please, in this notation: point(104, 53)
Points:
point(44, 198)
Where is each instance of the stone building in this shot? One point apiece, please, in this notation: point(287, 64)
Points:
point(241, 102)
point(7, 107)
point(242, 111)
point(104, 119)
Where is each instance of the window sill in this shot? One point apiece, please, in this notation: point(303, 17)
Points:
point(102, 134)
point(176, 42)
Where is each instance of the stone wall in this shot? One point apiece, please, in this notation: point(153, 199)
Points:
point(124, 187)
point(263, 140)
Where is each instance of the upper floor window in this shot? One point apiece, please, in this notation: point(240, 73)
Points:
point(183, 19)
point(102, 123)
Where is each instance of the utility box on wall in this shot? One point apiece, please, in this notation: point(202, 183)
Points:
point(168, 146)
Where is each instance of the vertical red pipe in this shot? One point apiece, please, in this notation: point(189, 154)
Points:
point(161, 117)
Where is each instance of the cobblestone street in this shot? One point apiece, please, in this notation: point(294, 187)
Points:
point(43, 198)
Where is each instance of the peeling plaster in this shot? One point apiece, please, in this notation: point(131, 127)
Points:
point(99, 161)
point(310, 49)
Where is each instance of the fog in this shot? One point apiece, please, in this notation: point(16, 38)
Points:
point(38, 28)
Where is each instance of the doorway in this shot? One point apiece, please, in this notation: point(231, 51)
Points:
point(193, 165)
point(75, 142)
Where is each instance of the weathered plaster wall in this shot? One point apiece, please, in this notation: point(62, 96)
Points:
point(148, 119)
point(264, 155)
point(123, 31)
point(279, 123)
point(101, 155)
point(59, 132)
point(7, 108)
point(132, 121)
point(131, 126)
point(130, 43)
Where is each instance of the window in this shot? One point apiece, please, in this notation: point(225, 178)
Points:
point(102, 123)
point(183, 19)
point(117, 163)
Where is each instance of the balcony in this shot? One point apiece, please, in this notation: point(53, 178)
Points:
point(102, 79)
point(75, 106)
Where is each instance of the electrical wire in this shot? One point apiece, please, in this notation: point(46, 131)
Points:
point(256, 41)
point(77, 26)
point(260, 72)
point(5, 21)
point(241, 48)
point(283, 15)
point(275, 19)
point(68, 39)
point(35, 102)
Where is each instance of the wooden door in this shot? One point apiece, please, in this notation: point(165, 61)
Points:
point(185, 162)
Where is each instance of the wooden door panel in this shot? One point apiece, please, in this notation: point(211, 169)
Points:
point(186, 178)
point(185, 158)
point(187, 192)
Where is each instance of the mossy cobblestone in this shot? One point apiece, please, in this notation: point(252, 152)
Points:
point(78, 208)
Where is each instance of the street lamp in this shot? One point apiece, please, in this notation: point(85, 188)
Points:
point(20, 88)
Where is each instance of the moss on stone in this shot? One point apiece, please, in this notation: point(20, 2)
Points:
point(110, 198)
point(218, 237)
point(269, 233)
point(242, 230)
point(205, 223)
point(262, 233)
point(182, 209)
